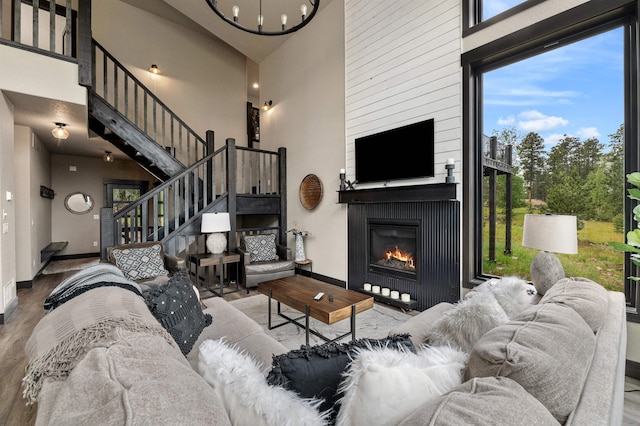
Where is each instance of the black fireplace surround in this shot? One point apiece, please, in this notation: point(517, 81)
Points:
point(423, 220)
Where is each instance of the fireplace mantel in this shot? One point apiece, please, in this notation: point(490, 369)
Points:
point(432, 192)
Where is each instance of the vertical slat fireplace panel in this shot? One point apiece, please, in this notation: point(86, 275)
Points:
point(438, 273)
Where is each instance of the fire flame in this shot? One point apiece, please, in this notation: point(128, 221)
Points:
point(400, 255)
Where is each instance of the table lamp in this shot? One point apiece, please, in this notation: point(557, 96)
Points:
point(215, 224)
point(551, 234)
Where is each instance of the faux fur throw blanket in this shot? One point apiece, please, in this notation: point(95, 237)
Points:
point(65, 335)
point(100, 275)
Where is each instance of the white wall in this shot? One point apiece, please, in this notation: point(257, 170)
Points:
point(33, 222)
point(21, 71)
point(305, 80)
point(403, 66)
point(81, 231)
point(203, 80)
point(7, 214)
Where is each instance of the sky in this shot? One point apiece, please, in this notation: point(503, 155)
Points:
point(576, 89)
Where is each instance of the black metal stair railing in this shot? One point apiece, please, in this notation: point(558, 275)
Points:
point(134, 101)
point(168, 208)
point(170, 212)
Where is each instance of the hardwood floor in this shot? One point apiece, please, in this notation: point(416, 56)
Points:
point(17, 329)
point(631, 402)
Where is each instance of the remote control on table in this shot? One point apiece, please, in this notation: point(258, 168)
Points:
point(319, 296)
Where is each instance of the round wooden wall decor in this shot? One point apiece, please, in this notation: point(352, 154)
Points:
point(310, 192)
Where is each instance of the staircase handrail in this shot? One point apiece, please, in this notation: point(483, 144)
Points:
point(165, 185)
point(172, 115)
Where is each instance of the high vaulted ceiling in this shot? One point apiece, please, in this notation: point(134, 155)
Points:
point(194, 14)
point(198, 15)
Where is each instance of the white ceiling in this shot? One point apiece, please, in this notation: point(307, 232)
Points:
point(197, 14)
point(36, 112)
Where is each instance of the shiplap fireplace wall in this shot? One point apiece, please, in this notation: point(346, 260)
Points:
point(402, 64)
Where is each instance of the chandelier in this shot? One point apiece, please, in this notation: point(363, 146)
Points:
point(270, 22)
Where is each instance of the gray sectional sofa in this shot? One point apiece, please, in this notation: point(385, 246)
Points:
point(559, 362)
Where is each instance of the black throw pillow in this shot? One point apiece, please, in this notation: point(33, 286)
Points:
point(316, 371)
point(176, 306)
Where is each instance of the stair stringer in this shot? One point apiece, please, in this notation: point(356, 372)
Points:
point(127, 131)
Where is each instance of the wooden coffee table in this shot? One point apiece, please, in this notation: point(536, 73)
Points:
point(298, 292)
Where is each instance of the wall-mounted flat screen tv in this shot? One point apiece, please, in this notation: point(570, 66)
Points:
point(402, 153)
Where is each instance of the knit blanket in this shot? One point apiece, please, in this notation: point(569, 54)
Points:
point(100, 275)
point(65, 335)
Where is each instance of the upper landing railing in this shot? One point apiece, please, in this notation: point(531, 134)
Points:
point(45, 27)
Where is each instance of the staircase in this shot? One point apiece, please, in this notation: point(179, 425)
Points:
point(193, 178)
point(125, 112)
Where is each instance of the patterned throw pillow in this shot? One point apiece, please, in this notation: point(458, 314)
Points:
point(141, 262)
point(261, 248)
point(177, 308)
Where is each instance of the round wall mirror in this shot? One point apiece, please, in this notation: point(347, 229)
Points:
point(78, 203)
point(310, 192)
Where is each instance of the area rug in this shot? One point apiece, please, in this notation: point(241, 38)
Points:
point(373, 323)
point(58, 266)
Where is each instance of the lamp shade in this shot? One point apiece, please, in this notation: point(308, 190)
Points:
point(215, 222)
point(552, 233)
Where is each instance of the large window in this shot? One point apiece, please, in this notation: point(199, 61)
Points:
point(556, 117)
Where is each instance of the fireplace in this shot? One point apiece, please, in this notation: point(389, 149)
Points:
point(422, 222)
point(393, 247)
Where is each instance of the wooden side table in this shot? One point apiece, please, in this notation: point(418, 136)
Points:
point(205, 260)
point(300, 264)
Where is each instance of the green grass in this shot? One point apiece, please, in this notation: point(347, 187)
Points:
point(595, 260)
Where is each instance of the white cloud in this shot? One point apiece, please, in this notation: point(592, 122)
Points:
point(507, 121)
point(553, 139)
point(588, 133)
point(535, 121)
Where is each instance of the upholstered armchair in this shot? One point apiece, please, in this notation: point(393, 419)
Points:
point(261, 259)
point(145, 263)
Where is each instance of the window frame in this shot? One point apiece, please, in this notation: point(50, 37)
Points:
point(472, 14)
point(581, 22)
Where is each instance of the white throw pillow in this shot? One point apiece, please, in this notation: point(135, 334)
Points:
point(489, 305)
point(383, 386)
point(242, 387)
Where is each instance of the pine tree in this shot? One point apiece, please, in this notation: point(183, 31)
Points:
point(532, 159)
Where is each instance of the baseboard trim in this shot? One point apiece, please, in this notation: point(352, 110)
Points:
point(632, 369)
point(24, 284)
point(75, 256)
point(9, 310)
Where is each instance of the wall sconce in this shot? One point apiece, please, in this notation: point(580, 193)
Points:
point(154, 69)
point(108, 157)
point(59, 132)
point(267, 105)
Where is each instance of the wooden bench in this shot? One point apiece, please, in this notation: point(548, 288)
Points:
point(47, 252)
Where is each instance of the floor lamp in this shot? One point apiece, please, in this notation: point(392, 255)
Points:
point(215, 224)
point(551, 234)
